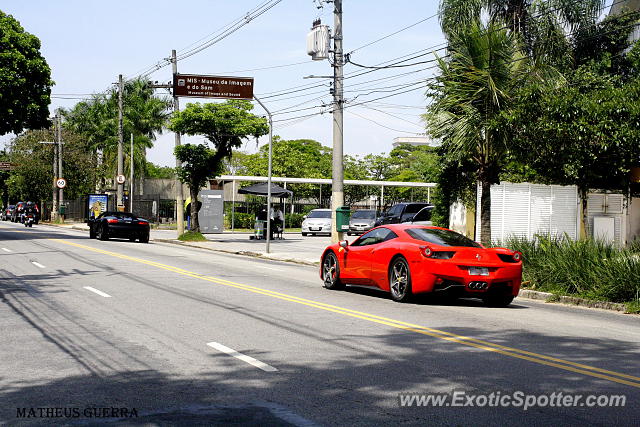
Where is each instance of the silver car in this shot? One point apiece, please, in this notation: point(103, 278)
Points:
point(318, 221)
point(362, 221)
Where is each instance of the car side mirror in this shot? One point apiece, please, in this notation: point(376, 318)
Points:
point(304, 217)
point(344, 243)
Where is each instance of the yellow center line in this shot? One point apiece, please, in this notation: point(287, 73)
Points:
point(436, 333)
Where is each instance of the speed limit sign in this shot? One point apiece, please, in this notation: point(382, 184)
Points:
point(120, 179)
point(61, 182)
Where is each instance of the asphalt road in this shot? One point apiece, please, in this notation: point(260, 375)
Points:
point(182, 336)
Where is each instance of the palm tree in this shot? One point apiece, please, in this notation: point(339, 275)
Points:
point(475, 85)
point(545, 27)
point(144, 116)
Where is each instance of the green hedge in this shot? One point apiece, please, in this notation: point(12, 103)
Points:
point(293, 220)
point(585, 268)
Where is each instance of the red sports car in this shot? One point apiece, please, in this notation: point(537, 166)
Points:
point(407, 259)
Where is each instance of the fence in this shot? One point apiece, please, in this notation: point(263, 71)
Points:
point(148, 206)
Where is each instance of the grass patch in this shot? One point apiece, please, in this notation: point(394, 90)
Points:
point(633, 307)
point(588, 269)
point(192, 236)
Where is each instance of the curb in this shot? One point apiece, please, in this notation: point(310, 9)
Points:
point(243, 253)
point(567, 300)
point(72, 227)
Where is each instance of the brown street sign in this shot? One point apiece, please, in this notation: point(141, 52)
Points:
point(6, 166)
point(212, 86)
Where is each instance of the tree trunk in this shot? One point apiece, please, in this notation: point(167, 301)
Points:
point(584, 196)
point(485, 213)
point(195, 224)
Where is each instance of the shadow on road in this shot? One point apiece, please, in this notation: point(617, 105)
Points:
point(356, 383)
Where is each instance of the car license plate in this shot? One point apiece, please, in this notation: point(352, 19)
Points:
point(359, 228)
point(478, 271)
point(314, 228)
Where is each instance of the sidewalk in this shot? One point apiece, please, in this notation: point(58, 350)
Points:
point(293, 248)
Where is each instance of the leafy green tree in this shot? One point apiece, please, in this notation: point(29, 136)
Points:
point(25, 79)
point(225, 125)
point(474, 86)
point(300, 158)
point(198, 165)
point(32, 177)
point(411, 163)
point(159, 172)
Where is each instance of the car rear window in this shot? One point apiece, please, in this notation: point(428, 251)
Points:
point(319, 214)
point(414, 208)
point(423, 215)
point(441, 237)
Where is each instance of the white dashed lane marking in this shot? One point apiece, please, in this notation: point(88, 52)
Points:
point(250, 360)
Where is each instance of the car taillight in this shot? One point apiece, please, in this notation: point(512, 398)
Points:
point(143, 222)
point(112, 221)
point(426, 251)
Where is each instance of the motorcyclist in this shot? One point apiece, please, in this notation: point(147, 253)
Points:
point(29, 209)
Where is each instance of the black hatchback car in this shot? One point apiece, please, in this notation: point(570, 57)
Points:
point(402, 212)
point(119, 224)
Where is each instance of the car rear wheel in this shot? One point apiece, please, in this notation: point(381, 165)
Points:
point(92, 233)
point(331, 272)
point(494, 299)
point(102, 233)
point(144, 238)
point(400, 280)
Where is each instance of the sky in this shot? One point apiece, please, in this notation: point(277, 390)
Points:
point(88, 44)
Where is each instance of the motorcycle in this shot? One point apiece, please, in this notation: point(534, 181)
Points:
point(29, 219)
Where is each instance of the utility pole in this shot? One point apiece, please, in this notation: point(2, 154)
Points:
point(54, 194)
point(337, 189)
point(131, 178)
point(60, 173)
point(120, 187)
point(179, 195)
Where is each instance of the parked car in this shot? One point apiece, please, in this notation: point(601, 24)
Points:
point(423, 217)
point(318, 221)
point(401, 212)
point(362, 221)
point(17, 211)
point(119, 224)
point(407, 259)
point(6, 212)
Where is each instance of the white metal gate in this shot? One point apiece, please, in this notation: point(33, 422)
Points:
point(524, 210)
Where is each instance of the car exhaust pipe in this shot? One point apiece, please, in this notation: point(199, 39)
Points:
point(478, 285)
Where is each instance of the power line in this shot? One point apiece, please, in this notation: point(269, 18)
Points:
point(394, 33)
point(219, 35)
point(394, 116)
point(386, 127)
